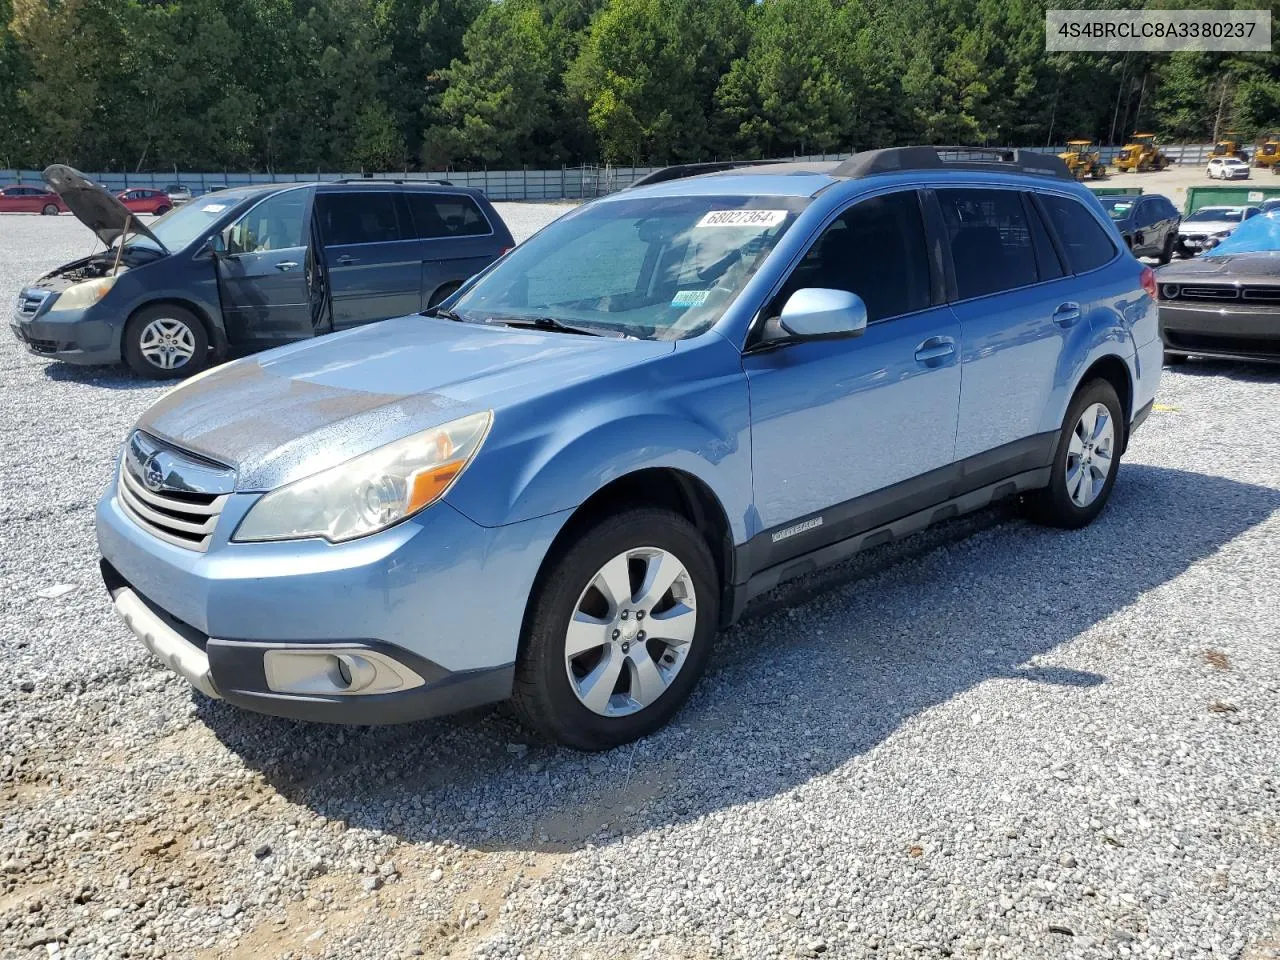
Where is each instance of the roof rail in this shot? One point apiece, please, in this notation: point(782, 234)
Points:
point(438, 183)
point(682, 170)
point(900, 159)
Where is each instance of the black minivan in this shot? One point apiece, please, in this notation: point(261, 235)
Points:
point(252, 267)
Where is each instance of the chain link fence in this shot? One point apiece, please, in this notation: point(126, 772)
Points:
point(525, 184)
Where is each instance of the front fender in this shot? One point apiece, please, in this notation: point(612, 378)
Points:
point(687, 410)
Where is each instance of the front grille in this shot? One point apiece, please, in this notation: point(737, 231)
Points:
point(1209, 291)
point(1200, 292)
point(1223, 343)
point(29, 301)
point(182, 519)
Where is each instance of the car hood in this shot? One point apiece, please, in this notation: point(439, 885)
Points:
point(1239, 266)
point(1207, 226)
point(291, 412)
point(98, 210)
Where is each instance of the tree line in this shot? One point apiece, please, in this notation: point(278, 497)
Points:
point(299, 85)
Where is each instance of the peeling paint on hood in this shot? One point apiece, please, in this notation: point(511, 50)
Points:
point(291, 412)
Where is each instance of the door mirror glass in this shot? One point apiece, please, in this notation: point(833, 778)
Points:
point(821, 312)
point(215, 245)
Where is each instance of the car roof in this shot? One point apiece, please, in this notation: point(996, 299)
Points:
point(804, 179)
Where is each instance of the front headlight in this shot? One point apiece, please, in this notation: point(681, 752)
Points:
point(371, 492)
point(86, 294)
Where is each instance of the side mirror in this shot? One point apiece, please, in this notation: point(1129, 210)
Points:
point(215, 246)
point(822, 312)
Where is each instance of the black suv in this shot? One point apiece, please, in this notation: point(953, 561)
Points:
point(252, 267)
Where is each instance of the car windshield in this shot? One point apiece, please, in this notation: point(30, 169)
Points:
point(660, 268)
point(1229, 214)
point(1117, 207)
point(181, 225)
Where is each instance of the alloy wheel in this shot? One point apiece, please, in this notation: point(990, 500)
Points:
point(630, 632)
point(1090, 454)
point(167, 343)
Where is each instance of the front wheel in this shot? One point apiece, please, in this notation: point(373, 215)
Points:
point(161, 211)
point(620, 628)
point(1086, 460)
point(1166, 252)
point(50, 210)
point(165, 342)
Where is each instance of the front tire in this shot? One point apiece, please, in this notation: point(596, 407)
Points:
point(619, 629)
point(1166, 252)
point(50, 210)
point(165, 342)
point(1086, 460)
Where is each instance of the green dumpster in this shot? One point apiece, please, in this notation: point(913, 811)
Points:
point(1241, 196)
point(1117, 191)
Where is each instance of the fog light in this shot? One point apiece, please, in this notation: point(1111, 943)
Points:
point(335, 670)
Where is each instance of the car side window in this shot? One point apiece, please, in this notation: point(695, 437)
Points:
point(277, 223)
point(1251, 212)
point(1088, 246)
point(876, 249)
point(363, 216)
point(1048, 265)
point(991, 244)
point(446, 215)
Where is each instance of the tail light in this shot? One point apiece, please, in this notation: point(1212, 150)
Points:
point(1148, 281)
point(504, 251)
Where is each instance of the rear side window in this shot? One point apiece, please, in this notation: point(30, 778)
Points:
point(446, 215)
point(991, 244)
point(1087, 245)
point(875, 249)
point(363, 216)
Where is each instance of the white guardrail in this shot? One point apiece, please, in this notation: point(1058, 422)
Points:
point(565, 183)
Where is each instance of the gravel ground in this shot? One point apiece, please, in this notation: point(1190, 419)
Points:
point(993, 740)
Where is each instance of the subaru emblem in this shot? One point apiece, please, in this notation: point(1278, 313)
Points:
point(152, 475)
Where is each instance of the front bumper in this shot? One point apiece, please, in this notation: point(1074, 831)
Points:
point(75, 337)
point(438, 599)
point(1236, 331)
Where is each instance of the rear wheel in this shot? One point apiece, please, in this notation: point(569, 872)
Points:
point(1086, 460)
point(620, 628)
point(165, 342)
point(50, 210)
point(161, 211)
point(1166, 252)
point(437, 298)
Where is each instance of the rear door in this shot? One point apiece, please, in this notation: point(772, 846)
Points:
point(457, 240)
point(20, 200)
point(263, 274)
point(372, 254)
point(1015, 301)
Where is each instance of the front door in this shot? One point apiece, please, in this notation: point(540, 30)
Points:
point(263, 275)
point(835, 420)
point(372, 254)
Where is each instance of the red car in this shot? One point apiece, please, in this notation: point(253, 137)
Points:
point(146, 200)
point(23, 199)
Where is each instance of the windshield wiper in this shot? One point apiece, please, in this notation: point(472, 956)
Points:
point(442, 312)
point(544, 323)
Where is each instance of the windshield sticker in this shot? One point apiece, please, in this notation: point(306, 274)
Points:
point(743, 218)
point(213, 208)
point(1122, 207)
point(690, 298)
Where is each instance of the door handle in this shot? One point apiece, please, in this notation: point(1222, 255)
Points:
point(286, 265)
point(935, 350)
point(344, 260)
point(1066, 314)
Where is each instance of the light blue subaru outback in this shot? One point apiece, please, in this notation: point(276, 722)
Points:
point(559, 485)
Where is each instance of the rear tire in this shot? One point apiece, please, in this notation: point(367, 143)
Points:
point(637, 657)
point(161, 211)
point(165, 342)
point(1166, 252)
point(50, 210)
point(1086, 461)
point(442, 294)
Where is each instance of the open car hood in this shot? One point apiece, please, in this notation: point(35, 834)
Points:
point(98, 210)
